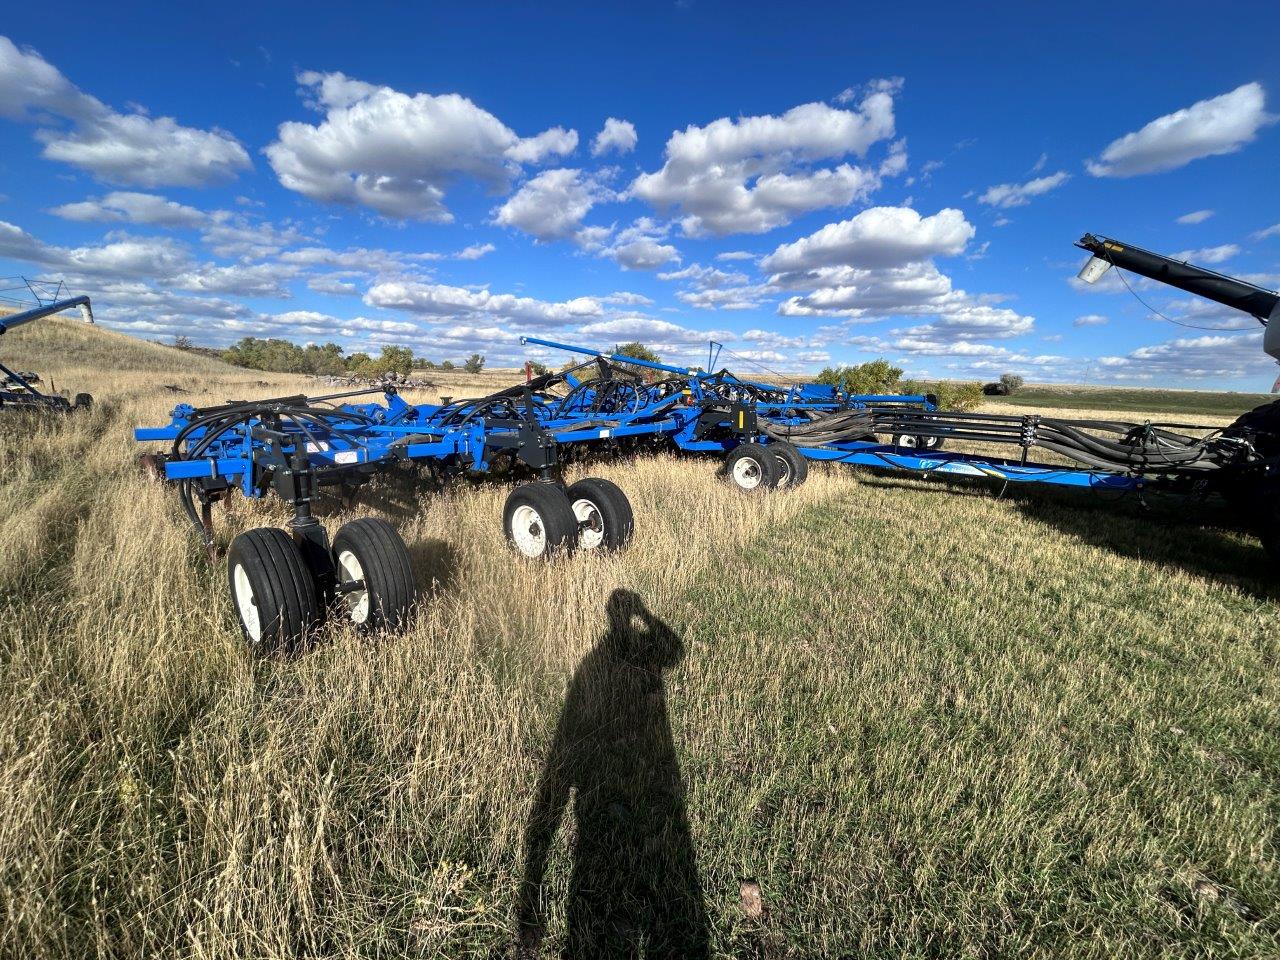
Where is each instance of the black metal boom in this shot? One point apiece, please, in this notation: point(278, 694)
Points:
point(1239, 294)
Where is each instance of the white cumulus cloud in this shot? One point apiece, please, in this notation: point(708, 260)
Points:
point(126, 207)
point(877, 237)
point(753, 174)
point(1219, 254)
point(552, 205)
point(397, 153)
point(1007, 195)
point(443, 301)
point(124, 148)
point(1208, 128)
point(1194, 217)
point(617, 135)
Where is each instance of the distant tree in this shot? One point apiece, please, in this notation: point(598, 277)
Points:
point(183, 343)
point(640, 352)
point(874, 376)
point(357, 361)
point(426, 364)
point(474, 363)
point(949, 394)
point(1011, 382)
point(325, 360)
point(393, 359)
point(446, 364)
point(538, 369)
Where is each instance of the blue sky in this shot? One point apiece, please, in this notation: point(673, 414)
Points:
point(810, 185)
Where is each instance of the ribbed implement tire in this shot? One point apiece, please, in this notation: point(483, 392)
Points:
point(382, 560)
point(793, 468)
point(281, 593)
point(539, 521)
point(609, 512)
point(751, 468)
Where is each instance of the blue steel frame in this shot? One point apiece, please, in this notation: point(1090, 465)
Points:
point(866, 453)
point(694, 410)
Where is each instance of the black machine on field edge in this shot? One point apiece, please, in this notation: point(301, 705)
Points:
point(1240, 462)
point(18, 390)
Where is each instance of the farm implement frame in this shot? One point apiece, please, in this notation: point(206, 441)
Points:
point(766, 434)
point(18, 390)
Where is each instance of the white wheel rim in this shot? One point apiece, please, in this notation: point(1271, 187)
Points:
point(246, 604)
point(528, 531)
point(747, 473)
point(357, 601)
point(907, 442)
point(590, 524)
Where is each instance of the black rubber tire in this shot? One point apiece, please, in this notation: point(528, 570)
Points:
point(281, 590)
point(793, 468)
point(387, 573)
point(759, 462)
point(610, 515)
point(552, 515)
point(83, 401)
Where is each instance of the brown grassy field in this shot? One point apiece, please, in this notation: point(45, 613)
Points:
point(897, 717)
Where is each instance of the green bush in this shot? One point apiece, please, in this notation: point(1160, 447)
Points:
point(875, 376)
point(640, 352)
point(282, 356)
point(392, 360)
point(951, 396)
point(1011, 382)
point(474, 363)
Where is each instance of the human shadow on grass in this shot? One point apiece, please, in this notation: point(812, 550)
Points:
point(1202, 538)
point(634, 889)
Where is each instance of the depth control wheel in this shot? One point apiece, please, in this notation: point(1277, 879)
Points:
point(374, 585)
point(539, 520)
point(603, 514)
point(793, 468)
point(751, 467)
point(272, 590)
point(924, 444)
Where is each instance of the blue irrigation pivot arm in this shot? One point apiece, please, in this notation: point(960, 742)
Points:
point(37, 313)
point(616, 357)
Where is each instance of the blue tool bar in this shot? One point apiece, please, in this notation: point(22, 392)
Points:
point(616, 357)
point(968, 465)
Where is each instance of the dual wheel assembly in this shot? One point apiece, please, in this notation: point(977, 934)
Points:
point(753, 467)
point(543, 518)
point(283, 592)
point(280, 599)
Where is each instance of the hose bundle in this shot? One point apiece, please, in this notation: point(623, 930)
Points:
point(1109, 445)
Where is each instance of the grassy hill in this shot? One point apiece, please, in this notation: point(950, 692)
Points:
point(61, 343)
point(899, 718)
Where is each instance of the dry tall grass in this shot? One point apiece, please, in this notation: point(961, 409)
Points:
point(924, 723)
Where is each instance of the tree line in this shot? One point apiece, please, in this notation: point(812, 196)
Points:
point(278, 355)
point(882, 377)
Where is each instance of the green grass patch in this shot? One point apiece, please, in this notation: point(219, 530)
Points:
point(1190, 402)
